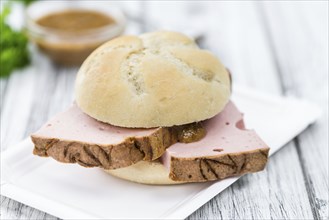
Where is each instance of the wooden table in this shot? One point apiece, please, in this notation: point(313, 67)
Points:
point(276, 47)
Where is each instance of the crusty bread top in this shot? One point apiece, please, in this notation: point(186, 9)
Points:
point(155, 79)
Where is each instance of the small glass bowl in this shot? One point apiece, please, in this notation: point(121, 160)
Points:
point(67, 48)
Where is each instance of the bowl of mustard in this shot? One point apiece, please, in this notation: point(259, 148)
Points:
point(68, 31)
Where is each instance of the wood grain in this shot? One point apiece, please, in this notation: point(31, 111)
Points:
point(302, 54)
point(277, 47)
point(29, 97)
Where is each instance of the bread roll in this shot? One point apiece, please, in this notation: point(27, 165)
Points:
point(145, 172)
point(155, 79)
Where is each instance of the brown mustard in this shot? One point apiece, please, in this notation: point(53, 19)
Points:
point(75, 20)
point(190, 133)
point(69, 27)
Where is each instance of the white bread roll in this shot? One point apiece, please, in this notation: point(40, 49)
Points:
point(154, 173)
point(155, 79)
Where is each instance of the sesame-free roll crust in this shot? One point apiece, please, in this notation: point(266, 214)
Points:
point(157, 79)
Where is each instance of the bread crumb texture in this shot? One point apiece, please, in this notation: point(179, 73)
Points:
point(155, 79)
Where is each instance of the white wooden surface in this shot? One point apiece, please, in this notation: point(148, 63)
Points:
point(277, 47)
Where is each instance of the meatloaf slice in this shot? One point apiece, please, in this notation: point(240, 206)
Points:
point(228, 149)
point(74, 137)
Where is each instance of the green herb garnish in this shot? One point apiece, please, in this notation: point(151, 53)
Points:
point(13, 46)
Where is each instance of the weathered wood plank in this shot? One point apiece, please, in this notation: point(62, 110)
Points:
point(302, 53)
point(12, 210)
point(30, 95)
point(236, 35)
point(17, 103)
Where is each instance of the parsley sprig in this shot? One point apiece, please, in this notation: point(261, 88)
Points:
point(14, 53)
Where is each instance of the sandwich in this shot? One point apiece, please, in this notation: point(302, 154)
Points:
point(153, 109)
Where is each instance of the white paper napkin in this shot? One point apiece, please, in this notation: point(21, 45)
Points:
point(73, 192)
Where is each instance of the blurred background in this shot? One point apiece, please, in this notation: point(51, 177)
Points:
point(276, 47)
